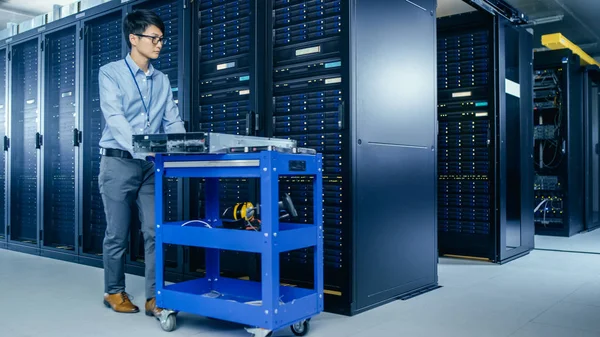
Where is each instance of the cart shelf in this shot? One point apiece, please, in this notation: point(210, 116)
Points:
point(239, 296)
point(289, 237)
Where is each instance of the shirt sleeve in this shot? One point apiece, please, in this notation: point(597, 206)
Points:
point(111, 104)
point(172, 122)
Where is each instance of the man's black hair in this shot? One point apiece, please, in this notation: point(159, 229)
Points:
point(138, 21)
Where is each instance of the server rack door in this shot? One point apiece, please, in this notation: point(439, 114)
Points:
point(394, 118)
point(61, 137)
point(3, 134)
point(225, 92)
point(310, 86)
point(169, 63)
point(25, 142)
point(102, 44)
point(575, 150)
point(591, 85)
point(515, 232)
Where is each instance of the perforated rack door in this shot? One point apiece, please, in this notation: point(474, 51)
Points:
point(24, 142)
point(3, 103)
point(60, 123)
point(102, 44)
point(168, 63)
point(308, 107)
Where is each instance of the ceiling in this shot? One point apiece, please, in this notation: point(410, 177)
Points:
point(577, 20)
point(18, 11)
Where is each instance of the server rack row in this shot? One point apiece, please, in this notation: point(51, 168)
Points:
point(484, 85)
point(559, 144)
point(367, 132)
point(55, 123)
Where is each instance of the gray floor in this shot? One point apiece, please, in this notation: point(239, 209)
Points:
point(582, 242)
point(545, 294)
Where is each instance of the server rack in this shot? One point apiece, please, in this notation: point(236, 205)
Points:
point(228, 82)
point(59, 202)
point(3, 120)
point(173, 13)
point(25, 142)
point(591, 101)
point(102, 43)
point(559, 148)
point(484, 92)
point(67, 165)
point(344, 83)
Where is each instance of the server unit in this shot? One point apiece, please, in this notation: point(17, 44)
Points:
point(345, 84)
point(228, 83)
point(59, 204)
point(25, 142)
point(171, 57)
point(102, 43)
point(484, 95)
point(591, 115)
point(3, 120)
point(559, 148)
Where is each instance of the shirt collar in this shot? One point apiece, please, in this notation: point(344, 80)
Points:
point(135, 68)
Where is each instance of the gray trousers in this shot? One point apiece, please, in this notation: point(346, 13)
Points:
point(122, 183)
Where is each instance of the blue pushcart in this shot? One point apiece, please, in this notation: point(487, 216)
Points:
point(264, 306)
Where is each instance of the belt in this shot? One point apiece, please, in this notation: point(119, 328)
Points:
point(115, 153)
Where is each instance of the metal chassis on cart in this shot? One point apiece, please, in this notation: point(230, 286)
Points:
point(265, 306)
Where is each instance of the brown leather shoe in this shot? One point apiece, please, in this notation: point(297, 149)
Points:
point(152, 309)
point(120, 303)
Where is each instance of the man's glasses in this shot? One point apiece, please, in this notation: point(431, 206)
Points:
point(155, 39)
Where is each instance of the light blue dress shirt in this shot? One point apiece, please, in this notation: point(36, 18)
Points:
point(124, 111)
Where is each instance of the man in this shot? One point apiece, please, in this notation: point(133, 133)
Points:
point(135, 98)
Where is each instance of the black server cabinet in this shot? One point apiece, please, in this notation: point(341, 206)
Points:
point(559, 148)
point(591, 114)
point(484, 151)
point(102, 43)
point(61, 138)
point(345, 84)
point(228, 83)
point(169, 62)
point(3, 162)
point(25, 142)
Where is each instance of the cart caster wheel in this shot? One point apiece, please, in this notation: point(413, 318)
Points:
point(300, 328)
point(168, 324)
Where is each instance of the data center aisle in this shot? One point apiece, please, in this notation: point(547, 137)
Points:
point(584, 242)
point(549, 294)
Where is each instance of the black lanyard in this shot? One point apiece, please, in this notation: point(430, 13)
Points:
point(142, 96)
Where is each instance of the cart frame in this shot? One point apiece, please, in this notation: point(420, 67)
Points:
point(235, 300)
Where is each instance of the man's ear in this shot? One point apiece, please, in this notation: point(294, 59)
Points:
point(132, 39)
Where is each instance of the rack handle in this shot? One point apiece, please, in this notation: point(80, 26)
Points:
point(341, 115)
point(250, 123)
point(38, 140)
point(76, 137)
